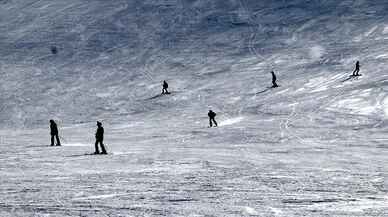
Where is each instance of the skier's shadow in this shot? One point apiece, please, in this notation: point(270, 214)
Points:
point(266, 90)
point(351, 77)
point(160, 95)
point(86, 154)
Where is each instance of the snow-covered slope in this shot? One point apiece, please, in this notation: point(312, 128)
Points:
point(315, 146)
point(112, 55)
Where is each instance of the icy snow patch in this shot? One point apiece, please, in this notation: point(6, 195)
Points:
point(250, 211)
point(76, 145)
point(231, 121)
point(321, 83)
point(316, 52)
point(276, 211)
point(385, 106)
point(104, 196)
point(382, 56)
point(357, 105)
point(372, 30)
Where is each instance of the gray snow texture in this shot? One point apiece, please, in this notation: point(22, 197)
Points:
point(315, 146)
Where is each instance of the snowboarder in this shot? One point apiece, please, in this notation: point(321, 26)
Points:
point(274, 84)
point(99, 139)
point(165, 87)
point(212, 119)
point(54, 133)
point(357, 69)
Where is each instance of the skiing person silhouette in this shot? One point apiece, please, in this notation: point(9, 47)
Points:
point(165, 87)
point(100, 139)
point(274, 84)
point(54, 133)
point(212, 119)
point(54, 50)
point(357, 69)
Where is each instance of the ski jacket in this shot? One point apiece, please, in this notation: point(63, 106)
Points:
point(273, 77)
point(100, 134)
point(53, 129)
point(212, 114)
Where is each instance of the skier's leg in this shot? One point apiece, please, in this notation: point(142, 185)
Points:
point(103, 150)
point(58, 141)
point(52, 140)
point(215, 122)
point(96, 148)
point(210, 122)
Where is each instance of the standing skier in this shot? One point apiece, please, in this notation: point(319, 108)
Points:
point(54, 133)
point(99, 139)
point(212, 119)
point(165, 87)
point(54, 50)
point(274, 84)
point(357, 69)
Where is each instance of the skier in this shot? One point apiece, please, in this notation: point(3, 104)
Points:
point(54, 50)
point(99, 139)
point(357, 70)
point(54, 133)
point(274, 84)
point(212, 120)
point(165, 87)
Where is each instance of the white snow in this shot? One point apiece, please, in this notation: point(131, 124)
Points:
point(95, 197)
point(316, 52)
point(249, 211)
point(315, 146)
point(75, 145)
point(385, 104)
point(231, 121)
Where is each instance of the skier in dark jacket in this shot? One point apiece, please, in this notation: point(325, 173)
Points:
point(357, 69)
point(165, 87)
point(54, 133)
point(274, 84)
point(212, 119)
point(100, 139)
point(54, 50)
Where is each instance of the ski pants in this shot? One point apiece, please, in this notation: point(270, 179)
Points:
point(211, 121)
point(57, 138)
point(101, 144)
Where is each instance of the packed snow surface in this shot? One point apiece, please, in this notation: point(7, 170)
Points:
point(315, 146)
